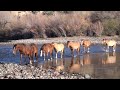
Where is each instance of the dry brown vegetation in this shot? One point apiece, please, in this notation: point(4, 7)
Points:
point(58, 24)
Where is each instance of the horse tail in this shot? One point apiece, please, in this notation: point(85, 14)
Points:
point(41, 53)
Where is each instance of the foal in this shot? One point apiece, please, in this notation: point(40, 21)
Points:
point(59, 47)
point(73, 45)
point(46, 49)
point(109, 43)
point(26, 50)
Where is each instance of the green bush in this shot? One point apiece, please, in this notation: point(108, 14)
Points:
point(111, 27)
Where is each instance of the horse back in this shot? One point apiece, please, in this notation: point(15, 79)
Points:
point(47, 47)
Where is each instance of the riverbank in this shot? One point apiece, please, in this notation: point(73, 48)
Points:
point(15, 71)
point(94, 40)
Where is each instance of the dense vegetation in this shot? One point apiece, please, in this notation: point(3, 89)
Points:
point(59, 24)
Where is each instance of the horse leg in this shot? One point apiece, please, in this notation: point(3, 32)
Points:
point(107, 50)
point(31, 60)
point(61, 53)
point(44, 56)
point(20, 59)
point(72, 52)
point(51, 53)
point(114, 47)
point(83, 49)
point(36, 55)
point(56, 55)
point(88, 50)
point(77, 51)
point(25, 59)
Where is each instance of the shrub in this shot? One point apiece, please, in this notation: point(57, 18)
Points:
point(111, 27)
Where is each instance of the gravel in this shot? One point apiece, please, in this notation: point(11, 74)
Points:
point(94, 40)
point(16, 71)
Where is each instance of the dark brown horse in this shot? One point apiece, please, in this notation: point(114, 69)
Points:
point(46, 49)
point(26, 50)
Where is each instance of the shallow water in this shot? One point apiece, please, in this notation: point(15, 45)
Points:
point(97, 63)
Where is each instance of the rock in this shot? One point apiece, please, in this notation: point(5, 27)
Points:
point(18, 77)
point(87, 76)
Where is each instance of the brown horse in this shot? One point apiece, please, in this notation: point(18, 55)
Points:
point(59, 47)
point(86, 44)
point(46, 49)
point(109, 43)
point(73, 46)
point(26, 50)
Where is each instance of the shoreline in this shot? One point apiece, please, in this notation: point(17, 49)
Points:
point(94, 40)
point(31, 72)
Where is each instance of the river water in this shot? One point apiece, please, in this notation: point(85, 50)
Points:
point(97, 62)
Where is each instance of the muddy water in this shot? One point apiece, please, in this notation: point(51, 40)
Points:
point(97, 63)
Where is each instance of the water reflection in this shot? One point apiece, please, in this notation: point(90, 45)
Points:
point(110, 58)
point(60, 66)
point(75, 65)
point(86, 59)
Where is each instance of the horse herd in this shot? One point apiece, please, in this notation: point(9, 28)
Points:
point(48, 48)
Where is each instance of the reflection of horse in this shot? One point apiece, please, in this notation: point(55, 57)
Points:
point(46, 49)
point(48, 64)
point(109, 43)
point(59, 47)
point(75, 67)
point(73, 45)
point(61, 66)
point(26, 50)
point(86, 44)
point(110, 58)
point(86, 59)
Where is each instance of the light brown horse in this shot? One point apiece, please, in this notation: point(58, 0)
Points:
point(86, 44)
point(73, 46)
point(26, 50)
point(47, 49)
point(59, 47)
point(109, 43)
point(75, 67)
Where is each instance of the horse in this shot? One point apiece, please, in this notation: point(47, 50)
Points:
point(59, 47)
point(26, 50)
point(109, 43)
point(46, 49)
point(86, 44)
point(75, 67)
point(110, 58)
point(73, 46)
